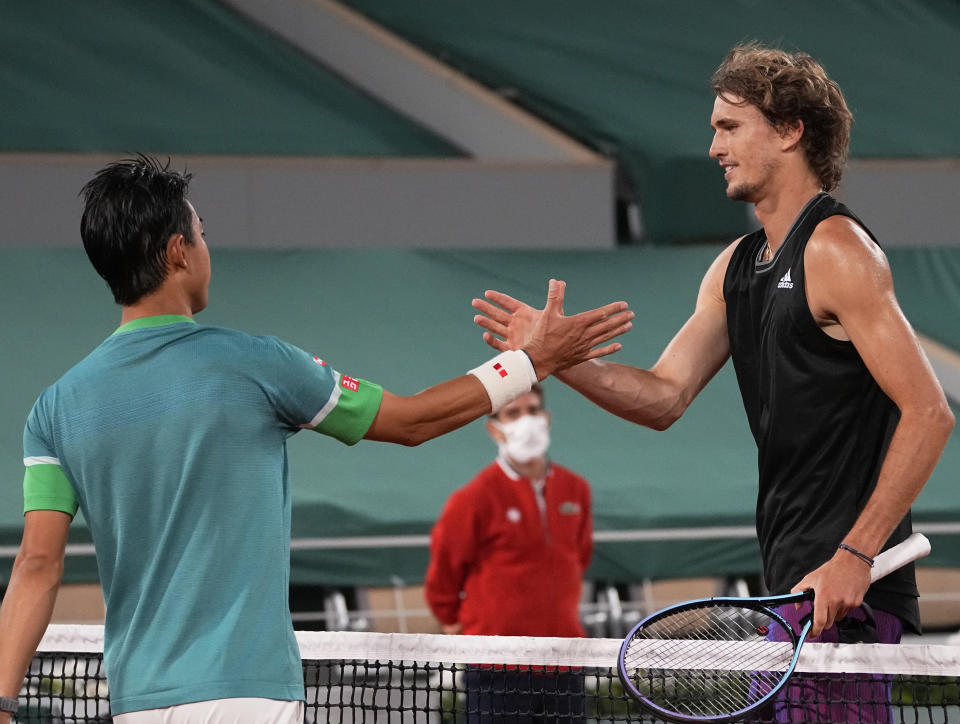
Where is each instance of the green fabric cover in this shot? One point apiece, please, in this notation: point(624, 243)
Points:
point(926, 283)
point(632, 78)
point(403, 319)
point(177, 77)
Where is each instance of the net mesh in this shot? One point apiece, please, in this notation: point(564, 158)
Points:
point(368, 677)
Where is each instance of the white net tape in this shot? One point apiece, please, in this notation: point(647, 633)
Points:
point(907, 659)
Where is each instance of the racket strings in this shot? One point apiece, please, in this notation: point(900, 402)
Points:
point(708, 661)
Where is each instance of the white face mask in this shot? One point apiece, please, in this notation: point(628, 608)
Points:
point(527, 437)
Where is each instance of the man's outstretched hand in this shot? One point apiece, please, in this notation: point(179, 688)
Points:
point(553, 341)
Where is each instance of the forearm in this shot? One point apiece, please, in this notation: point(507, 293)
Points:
point(24, 615)
point(914, 450)
point(430, 413)
point(447, 406)
point(638, 395)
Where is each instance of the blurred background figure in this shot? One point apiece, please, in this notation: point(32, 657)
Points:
point(507, 557)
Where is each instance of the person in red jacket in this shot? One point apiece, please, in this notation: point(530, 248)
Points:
point(507, 558)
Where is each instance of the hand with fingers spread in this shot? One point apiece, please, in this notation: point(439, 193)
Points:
point(553, 341)
point(508, 321)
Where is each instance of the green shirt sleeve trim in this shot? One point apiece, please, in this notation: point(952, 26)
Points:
point(358, 405)
point(45, 487)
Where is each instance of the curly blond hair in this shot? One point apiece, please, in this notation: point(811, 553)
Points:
point(787, 88)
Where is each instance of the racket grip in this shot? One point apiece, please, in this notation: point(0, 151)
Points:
point(914, 547)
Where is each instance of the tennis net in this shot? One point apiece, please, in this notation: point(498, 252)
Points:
point(373, 678)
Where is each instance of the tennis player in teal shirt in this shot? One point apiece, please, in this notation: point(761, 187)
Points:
point(170, 437)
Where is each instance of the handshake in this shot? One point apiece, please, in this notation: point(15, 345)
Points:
point(552, 341)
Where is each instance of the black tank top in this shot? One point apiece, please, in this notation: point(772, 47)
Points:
point(821, 423)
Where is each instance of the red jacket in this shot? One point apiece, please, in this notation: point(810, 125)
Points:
point(496, 570)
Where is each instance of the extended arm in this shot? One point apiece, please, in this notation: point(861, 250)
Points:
point(555, 342)
point(439, 409)
point(28, 603)
point(850, 291)
point(656, 397)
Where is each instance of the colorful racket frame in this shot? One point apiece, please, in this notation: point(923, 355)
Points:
point(762, 604)
point(914, 547)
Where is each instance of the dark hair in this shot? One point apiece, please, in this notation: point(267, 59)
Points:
point(790, 87)
point(131, 209)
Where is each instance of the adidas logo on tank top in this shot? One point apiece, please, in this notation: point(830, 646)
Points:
point(785, 281)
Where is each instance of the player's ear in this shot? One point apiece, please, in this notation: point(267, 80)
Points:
point(176, 254)
point(790, 134)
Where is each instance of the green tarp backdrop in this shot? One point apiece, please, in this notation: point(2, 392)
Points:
point(631, 78)
point(180, 77)
point(403, 319)
point(628, 78)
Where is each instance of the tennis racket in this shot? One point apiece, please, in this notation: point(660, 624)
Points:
point(717, 659)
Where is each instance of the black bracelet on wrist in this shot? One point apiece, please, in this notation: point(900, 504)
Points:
point(859, 554)
point(531, 361)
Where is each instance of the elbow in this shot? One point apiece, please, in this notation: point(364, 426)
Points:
point(664, 421)
point(659, 406)
point(415, 435)
point(936, 418)
point(668, 414)
point(406, 438)
point(38, 566)
point(945, 418)
point(939, 416)
point(659, 419)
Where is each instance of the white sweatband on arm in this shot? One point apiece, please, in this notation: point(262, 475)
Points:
point(506, 377)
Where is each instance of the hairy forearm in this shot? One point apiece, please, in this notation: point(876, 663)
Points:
point(24, 615)
point(914, 450)
point(638, 395)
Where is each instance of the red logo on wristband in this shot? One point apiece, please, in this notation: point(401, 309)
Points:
point(319, 361)
point(499, 368)
point(350, 383)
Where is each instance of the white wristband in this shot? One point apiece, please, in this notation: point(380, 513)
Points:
point(506, 377)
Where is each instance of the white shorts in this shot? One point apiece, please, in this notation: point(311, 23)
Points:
point(220, 711)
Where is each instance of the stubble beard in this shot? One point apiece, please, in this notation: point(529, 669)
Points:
point(743, 192)
point(753, 192)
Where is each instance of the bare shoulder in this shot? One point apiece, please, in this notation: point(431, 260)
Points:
point(840, 247)
point(712, 284)
point(845, 270)
point(723, 258)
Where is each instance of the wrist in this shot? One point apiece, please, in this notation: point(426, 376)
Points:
point(857, 553)
point(506, 377)
point(533, 365)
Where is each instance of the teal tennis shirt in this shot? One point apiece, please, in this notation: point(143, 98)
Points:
point(171, 438)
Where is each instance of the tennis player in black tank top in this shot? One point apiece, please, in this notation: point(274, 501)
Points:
point(815, 478)
point(848, 416)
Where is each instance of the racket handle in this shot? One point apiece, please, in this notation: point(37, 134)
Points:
point(914, 547)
